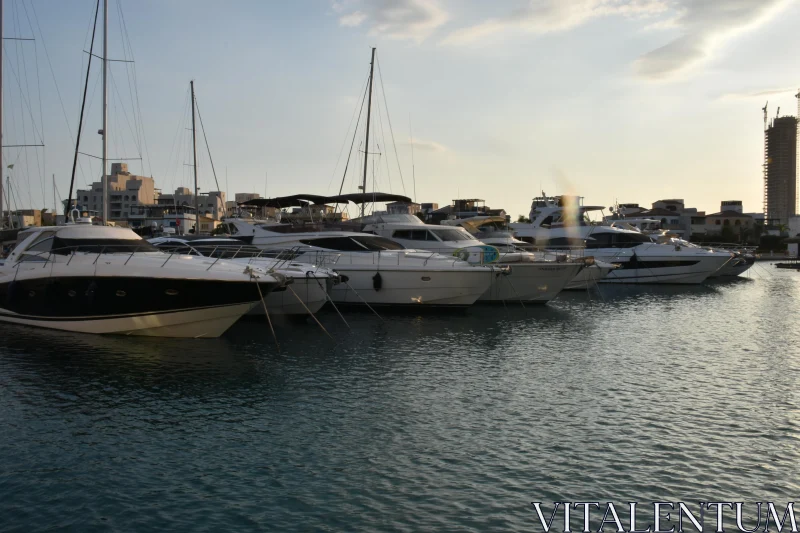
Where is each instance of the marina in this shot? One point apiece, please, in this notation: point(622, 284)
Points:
point(304, 314)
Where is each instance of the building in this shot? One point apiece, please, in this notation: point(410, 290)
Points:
point(676, 217)
point(245, 196)
point(428, 207)
point(780, 177)
point(208, 224)
point(731, 216)
point(211, 204)
point(23, 218)
point(125, 191)
point(462, 208)
point(155, 217)
point(403, 208)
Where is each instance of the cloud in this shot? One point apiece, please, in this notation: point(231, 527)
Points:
point(353, 19)
point(427, 146)
point(761, 93)
point(545, 16)
point(396, 19)
point(703, 26)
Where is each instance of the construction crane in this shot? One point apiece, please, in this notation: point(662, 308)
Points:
point(764, 109)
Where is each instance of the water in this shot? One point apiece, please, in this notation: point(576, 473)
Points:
point(446, 423)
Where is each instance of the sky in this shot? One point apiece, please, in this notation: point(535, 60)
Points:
point(614, 100)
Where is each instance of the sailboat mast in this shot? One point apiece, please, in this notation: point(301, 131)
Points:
point(196, 190)
point(68, 207)
point(105, 111)
point(2, 168)
point(366, 142)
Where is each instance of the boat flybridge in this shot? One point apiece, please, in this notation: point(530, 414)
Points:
point(375, 270)
point(307, 293)
point(561, 222)
point(494, 231)
point(529, 279)
point(105, 279)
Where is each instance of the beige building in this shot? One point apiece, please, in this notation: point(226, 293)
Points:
point(730, 215)
point(125, 191)
point(212, 204)
point(246, 196)
point(24, 218)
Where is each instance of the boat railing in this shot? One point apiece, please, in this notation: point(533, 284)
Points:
point(99, 250)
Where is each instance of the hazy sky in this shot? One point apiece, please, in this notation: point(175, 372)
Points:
point(628, 100)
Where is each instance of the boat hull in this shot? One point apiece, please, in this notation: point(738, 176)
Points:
point(311, 292)
point(191, 323)
point(531, 282)
point(668, 270)
point(588, 277)
point(129, 305)
point(412, 287)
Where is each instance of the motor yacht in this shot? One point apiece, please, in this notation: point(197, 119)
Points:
point(377, 271)
point(529, 279)
point(103, 279)
point(738, 265)
point(560, 222)
point(308, 291)
point(494, 231)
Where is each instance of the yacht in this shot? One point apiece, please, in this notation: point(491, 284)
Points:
point(310, 283)
point(529, 278)
point(105, 279)
point(738, 265)
point(375, 270)
point(560, 222)
point(494, 231)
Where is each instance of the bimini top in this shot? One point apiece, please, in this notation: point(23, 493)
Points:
point(302, 200)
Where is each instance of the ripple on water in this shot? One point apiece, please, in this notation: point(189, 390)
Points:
point(451, 423)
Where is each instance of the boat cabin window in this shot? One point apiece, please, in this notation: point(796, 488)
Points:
point(600, 240)
point(452, 234)
point(43, 242)
point(629, 240)
point(413, 235)
point(354, 243)
point(564, 242)
point(229, 228)
point(616, 240)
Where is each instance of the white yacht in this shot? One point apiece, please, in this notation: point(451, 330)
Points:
point(741, 262)
point(375, 270)
point(529, 278)
point(103, 279)
point(560, 222)
point(494, 231)
point(308, 291)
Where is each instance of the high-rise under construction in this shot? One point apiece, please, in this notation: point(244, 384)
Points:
point(780, 176)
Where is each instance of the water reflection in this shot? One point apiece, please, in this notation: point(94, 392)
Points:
point(429, 422)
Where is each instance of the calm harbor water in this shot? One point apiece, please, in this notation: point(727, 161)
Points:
point(435, 422)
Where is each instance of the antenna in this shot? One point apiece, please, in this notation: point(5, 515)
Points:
point(778, 113)
point(764, 109)
point(797, 138)
point(413, 169)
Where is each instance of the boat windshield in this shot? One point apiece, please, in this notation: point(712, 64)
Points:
point(452, 234)
point(354, 243)
point(63, 246)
